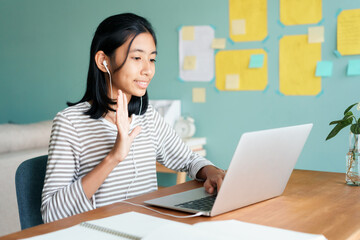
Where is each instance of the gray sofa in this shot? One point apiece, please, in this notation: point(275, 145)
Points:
point(18, 142)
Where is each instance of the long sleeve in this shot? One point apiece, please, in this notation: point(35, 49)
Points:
point(173, 153)
point(63, 195)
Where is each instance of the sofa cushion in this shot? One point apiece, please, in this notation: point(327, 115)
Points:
point(17, 137)
point(9, 221)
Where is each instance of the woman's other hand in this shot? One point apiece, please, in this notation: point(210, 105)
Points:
point(213, 177)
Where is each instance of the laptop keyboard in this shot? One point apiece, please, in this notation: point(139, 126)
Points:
point(202, 204)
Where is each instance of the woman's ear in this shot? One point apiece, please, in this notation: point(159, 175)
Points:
point(100, 57)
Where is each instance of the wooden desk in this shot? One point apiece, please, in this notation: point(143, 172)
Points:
point(313, 202)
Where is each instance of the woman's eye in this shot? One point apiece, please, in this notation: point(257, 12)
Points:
point(152, 60)
point(137, 58)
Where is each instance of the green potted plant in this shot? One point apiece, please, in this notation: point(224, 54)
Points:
point(352, 157)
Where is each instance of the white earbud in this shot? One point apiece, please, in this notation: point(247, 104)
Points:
point(105, 65)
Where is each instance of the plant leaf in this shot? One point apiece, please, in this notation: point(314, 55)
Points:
point(336, 122)
point(348, 109)
point(338, 127)
point(348, 115)
point(355, 128)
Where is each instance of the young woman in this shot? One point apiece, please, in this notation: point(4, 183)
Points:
point(104, 148)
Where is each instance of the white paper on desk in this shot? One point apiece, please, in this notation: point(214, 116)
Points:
point(181, 231)
point(242, 230)
point(75, 232)
point(133, 223)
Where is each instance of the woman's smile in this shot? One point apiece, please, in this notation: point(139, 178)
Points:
point(142, 84)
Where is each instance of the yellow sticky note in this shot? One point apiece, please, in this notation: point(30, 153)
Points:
point(248, 20)
point(188, 33)
point(238, 27)
point(218, 43)
point(297, 66)
point(233, 64)
point(199, 95)
point(316, 34)
point(348, 32)
point(294, 12)
point(189, 63)
point(232, 82)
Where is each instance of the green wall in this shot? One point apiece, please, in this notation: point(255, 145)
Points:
point(44, 49)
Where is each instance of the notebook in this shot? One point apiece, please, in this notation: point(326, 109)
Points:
point(259, 170)
point(136, 226)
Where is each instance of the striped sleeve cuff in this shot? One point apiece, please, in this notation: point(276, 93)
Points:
point(83, 200)
point(196, 166)
point(66, 202)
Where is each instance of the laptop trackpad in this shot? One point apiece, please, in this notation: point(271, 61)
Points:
point(178, 198)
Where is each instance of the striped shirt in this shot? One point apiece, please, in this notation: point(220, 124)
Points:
point(79, 143)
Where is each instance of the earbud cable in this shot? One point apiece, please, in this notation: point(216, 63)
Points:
point(140, 105)
point(111, 93)
point(133, 158)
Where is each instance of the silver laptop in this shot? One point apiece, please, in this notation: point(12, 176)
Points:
point(259, 170)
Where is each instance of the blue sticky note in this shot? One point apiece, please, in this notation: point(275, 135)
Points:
point(337, 54)
point(324, 69)
point(353, 68)
point(320, 93)
point(256, 61)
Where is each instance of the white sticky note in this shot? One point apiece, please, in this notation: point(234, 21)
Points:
point(238, 27)
point(199, 95)
point(218, 43)
point(188, 33)
point(316, 34)
point(232, 82)
point(189, 63)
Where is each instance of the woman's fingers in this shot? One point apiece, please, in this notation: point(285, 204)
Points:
point(118, 108)
point(134, 133)
point(125, 104)
point(122, 104)
point(208, 187)
point(124, 139)
point(120, 99)
point(214, 181)
point(121, 112)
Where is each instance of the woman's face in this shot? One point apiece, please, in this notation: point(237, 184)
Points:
point(135, 75)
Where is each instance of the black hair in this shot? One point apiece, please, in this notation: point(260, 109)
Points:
point(113, 32)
